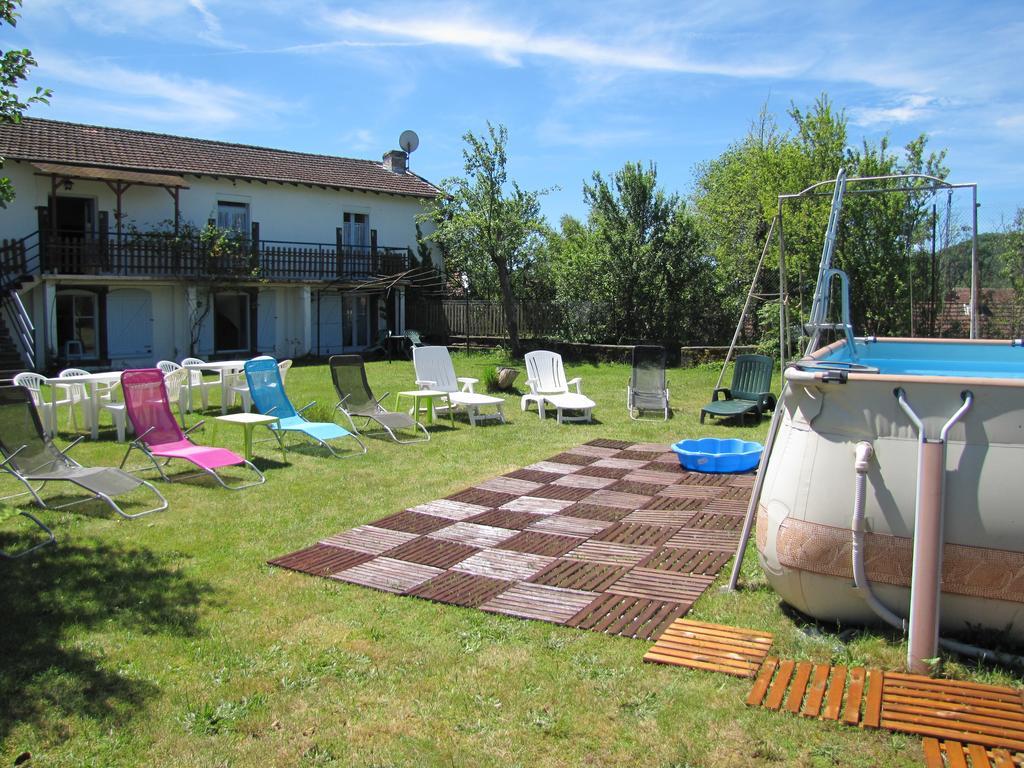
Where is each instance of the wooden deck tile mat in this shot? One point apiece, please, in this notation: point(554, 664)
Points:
point(628, 616)
point(369, 539)
point(676, 504)
point(460, 588)
point(576, 480)
point(537, 543)
point(686, 560)
point(574, 458)
point(482, 497)
point(449, 509)
point(637, 487)
point(669, 517)
point(579, 574)
point(536, 505)
point(534, 475)
point(596, 512)
point(939, 754)
point(637, 533)
point(662, 585)
point(553, 466)
point(388, 575)
point(321, 560)
point(412, 522)
point(435, 552)
point(609, 472)
point(963, 723)
point(538, 601)
point(506, 518)
point(609, 536)
point(473, 534)
point(496, 564)
point(711, 647)
point(563, 492)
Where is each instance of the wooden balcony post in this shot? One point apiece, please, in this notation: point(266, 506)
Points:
point(255, 246)
point(373, 252)
point(339, 235)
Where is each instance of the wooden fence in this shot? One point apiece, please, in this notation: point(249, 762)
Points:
point(480, 319)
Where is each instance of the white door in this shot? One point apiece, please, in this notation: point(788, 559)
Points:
point(329, 327)
point(266, 322)
point(130, 325)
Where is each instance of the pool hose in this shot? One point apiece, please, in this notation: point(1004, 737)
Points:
point(864, 452)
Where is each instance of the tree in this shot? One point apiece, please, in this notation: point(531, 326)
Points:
point(14, 68)
point(637, 270)
point(488, 228)
point(881, 237)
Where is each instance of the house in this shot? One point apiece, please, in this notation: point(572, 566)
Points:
point(125, 247)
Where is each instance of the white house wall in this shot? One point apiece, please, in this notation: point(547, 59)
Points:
point(284, 212)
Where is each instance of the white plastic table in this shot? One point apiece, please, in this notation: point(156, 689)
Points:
point(92, 383)
point(225, 368)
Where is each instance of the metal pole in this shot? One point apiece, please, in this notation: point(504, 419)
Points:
point(974, 262)
point(783, 297)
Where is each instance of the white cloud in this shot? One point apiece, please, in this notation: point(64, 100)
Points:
point(166, 19)
point(508, 45)
point(158, 98)
point(908, 109)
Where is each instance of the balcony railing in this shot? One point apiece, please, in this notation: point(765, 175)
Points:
point(158, 255)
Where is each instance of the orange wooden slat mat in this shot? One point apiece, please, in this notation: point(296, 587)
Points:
point(712, 647)
point(965, 724)
point(940, 754)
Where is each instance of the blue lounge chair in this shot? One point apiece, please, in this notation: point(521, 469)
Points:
point(269, 397)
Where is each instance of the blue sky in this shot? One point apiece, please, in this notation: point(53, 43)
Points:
point(581, 86)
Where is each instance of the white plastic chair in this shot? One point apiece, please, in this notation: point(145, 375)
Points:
point(545, 376)
point(197, 382)
point(33, 382)
point(79, 394)
point(177, 389)
point(434, 370)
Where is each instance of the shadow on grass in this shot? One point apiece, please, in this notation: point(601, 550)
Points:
point(52, 598)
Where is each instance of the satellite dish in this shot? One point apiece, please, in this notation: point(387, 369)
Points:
point(409, 141)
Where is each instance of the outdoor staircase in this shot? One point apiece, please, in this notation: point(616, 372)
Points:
point(15, 354)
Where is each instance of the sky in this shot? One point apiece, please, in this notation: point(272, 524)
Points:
point(581, 86)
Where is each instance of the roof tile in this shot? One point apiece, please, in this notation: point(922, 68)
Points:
point(35, 139)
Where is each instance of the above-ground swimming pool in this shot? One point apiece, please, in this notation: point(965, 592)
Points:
point(839, 400)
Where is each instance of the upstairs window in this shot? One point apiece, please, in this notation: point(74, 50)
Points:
point(357, 229)
point(231, 215)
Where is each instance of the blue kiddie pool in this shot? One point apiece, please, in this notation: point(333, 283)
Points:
point(711, 454)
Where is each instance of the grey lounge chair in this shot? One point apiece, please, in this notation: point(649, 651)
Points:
point(357, 400)
point(31, 458)
point(750, 391)
point(647, 389)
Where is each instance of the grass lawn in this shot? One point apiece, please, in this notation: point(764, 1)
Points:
point(167, 640)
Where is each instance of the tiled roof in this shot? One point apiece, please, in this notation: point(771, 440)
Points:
point(53, 141)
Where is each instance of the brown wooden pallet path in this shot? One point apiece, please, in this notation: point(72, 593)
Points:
point(963, 723)
point(713, 647)
point(609, 536)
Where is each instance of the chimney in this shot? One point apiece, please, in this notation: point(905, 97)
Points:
point(396, 161)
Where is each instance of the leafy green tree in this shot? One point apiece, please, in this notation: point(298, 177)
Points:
point(14, 69)
point(879, 243)
point(1013, 270)
point(488, 228)
point(637, 269)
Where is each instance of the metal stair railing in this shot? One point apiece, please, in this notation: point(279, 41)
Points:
point(823, 288)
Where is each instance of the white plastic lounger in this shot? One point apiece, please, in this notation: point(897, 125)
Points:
point(434, 370)
point(546, 380)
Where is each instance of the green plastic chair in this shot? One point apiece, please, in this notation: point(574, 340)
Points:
point(750, 392)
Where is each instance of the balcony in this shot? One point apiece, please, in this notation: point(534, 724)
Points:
point(161, 255)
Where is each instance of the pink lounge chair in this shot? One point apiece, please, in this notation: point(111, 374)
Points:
point(160, 437)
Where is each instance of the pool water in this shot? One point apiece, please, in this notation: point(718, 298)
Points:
point(947, 358)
